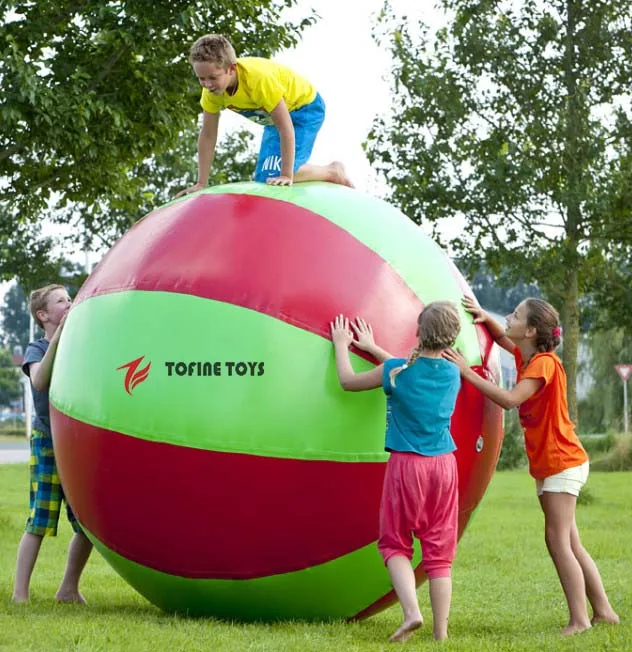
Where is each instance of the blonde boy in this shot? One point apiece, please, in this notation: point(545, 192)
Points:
point(266, 92)
point(49, 306)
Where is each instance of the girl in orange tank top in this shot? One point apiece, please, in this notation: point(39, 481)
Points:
point(557, 460)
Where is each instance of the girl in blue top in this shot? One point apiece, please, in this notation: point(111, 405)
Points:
point(420, 494)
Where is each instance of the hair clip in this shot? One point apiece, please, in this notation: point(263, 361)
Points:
point(557, 331)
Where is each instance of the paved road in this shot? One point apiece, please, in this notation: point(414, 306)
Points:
point(12, 452)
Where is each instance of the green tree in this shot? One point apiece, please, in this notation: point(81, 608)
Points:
point(163, 175)
point(10, 388)
point(499, 294)
point(612, 296)
point(24, 252)
point(514, 116)
point(602, 409)
point(90, 90)
point(14, 318)
point(14, 313)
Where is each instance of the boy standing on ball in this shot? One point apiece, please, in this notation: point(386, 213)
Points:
point(49, 306)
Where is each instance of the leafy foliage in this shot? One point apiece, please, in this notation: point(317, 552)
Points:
point(602, 410)
point(14, 313)
point(90, 92)
point(10, 387)
point(512, 453)
point(515, 117)
point(497, 294)
point(163, 175)
point(14, 318)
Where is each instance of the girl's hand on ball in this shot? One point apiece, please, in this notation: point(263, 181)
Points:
point(471, 305)
point(340, 333)
point(457, 358)
point(363, 334)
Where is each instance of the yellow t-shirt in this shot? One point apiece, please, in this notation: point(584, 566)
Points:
point(262, 84)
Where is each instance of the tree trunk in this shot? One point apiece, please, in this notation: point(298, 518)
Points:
point(569, 314)
point(574, 169)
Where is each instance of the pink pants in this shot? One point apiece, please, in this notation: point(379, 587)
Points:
point(420, 498)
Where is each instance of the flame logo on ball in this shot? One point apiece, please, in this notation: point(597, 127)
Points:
point(134, 377)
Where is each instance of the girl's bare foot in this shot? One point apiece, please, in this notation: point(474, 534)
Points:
point(609, 618)
point(20, 599)
point(575, 628)
point(70, 598)
point(339, 174)
point(406, 630)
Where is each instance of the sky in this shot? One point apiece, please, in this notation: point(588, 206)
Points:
point(341, 59)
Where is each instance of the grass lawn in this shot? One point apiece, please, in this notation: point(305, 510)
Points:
point(506, 593)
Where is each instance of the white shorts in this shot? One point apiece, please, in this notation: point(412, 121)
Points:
point(568, 481)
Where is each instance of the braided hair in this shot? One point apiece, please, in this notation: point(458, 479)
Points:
point(439, 326)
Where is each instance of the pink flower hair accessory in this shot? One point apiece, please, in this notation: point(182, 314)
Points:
point(557, 331)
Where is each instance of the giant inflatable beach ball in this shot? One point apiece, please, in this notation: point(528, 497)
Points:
point(202, 437)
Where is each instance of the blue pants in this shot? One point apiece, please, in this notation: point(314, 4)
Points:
point(307, 122)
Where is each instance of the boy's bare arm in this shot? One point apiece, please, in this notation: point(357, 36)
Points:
point(283, 122)
point(41, 372)
point(206, 151)
point(206, 146)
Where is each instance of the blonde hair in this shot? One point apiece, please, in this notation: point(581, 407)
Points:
point(213, 48)
point(38, 299)
point(542, 316)
point(439, 326)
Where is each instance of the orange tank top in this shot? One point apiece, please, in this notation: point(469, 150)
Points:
point(551, 442)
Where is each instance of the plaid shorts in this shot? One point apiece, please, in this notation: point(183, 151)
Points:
point(46, 494)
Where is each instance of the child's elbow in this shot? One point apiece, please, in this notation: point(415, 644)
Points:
point(38, 385)
point(346, 385)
